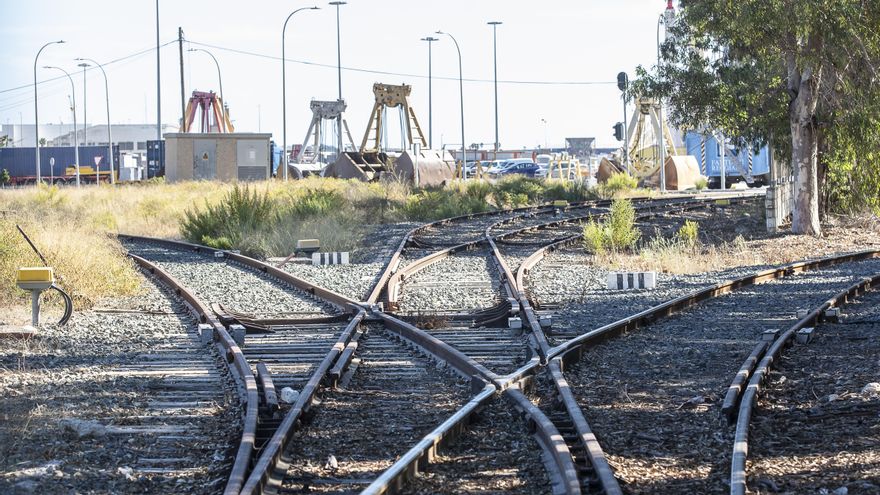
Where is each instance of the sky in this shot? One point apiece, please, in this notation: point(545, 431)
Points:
point(577, 45)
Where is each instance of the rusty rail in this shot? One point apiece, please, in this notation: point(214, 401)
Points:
point(423, 453)
point(266, 463)
point(237, 365)
point(738, 476)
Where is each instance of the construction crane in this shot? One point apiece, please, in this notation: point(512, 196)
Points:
point(213, 116)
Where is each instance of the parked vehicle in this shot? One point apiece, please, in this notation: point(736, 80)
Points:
point(529, 169)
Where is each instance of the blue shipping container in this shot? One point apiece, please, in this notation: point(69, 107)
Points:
point(155, 158)
point(734, 161)
point(20, 162)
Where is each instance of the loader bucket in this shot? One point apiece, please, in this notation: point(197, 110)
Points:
point(356, 165)
point(434, 167)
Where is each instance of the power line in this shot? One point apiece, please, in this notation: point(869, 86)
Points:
point(51, 79)
point(389, 73)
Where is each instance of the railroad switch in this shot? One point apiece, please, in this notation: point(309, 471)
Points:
point(36, 280)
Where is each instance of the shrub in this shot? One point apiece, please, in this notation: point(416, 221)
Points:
point(617, 184)
point(701, 183)
point(595, 237)
point(688, 234)
point(623, 233)
point(616, 233)
point(241, 211)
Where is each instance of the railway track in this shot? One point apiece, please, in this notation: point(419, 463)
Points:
point(337, 352)
point(815, 426)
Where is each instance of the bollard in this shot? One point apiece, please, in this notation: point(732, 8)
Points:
point(35, 280)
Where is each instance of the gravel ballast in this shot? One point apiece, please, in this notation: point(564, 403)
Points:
point(124, 399)
point(235, 287)
point(817, 424)
point(653, 396)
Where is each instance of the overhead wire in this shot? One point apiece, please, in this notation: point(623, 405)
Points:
point(401, 74)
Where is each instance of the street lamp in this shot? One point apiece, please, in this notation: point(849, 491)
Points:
point(339, 144)
point(85, 107)
point(430, 40)
point(494, 25)
point(109, 133)
point(37, 109)
point(667, 18)
point(219, 76)
point(73, 98)
point(461, 98)
point(284, 87)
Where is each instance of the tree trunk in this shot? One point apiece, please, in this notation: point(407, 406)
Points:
point(804, 148)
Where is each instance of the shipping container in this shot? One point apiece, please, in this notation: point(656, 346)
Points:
point(738, 162)
point(155, 158)
point(20, 162)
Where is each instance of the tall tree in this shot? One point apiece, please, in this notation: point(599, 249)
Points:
point(771, 70)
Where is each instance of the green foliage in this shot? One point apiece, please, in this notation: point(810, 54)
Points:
point(688, 234)
point(753, 68)
point(4, 177)
point(434, 204)
point(518, 190)
point(617, 184)
point(616, 233)
point(224, 224)
point(316, 202)
point(621, 221)
point(701, 183)
point(595, 237)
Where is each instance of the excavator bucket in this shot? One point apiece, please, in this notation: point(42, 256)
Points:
point(682, 172)
point(362, 166)
point(429, 168)
point(607, 168)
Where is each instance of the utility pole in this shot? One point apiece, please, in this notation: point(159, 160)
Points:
point(85, 106)
point(158, 81)
point(182, 90)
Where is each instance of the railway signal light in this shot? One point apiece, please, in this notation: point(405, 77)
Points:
point(618, 131)
point(622, 81)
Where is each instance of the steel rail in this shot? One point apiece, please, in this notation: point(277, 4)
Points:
point(393, 479)
point(643, 318)
point(265, 466)
point(550, 440)
point(587, 439)
point(236, 363)
point(738, 476)
point(394, 262)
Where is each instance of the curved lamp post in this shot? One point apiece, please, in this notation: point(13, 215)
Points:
point(37, 109)
point(461, 98)
point(284, 88)
point(109, 132)
point(73, 97)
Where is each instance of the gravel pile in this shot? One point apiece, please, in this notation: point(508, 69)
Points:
point(815, 427)
point(653, 396)
point(495, 454)
point(464, 281)
point(235, 287)
point(124, 399)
